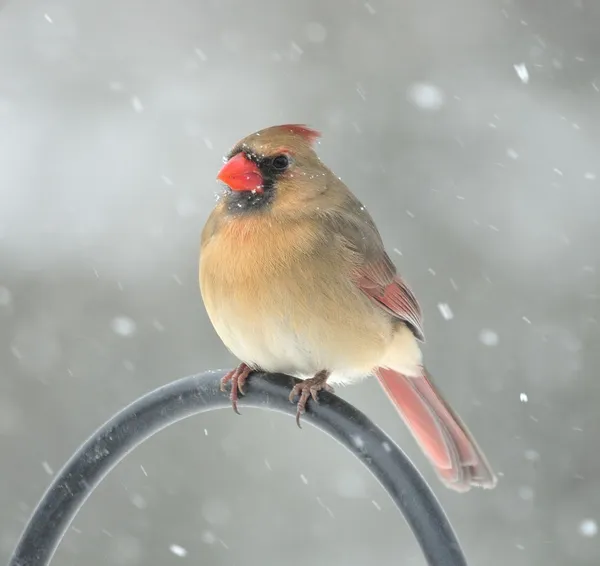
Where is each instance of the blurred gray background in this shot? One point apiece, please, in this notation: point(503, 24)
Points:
point(470, 129)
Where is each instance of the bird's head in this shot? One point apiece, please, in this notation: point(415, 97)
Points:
point(274, 169)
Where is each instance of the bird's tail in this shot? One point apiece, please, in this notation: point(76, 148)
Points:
point(439, 431)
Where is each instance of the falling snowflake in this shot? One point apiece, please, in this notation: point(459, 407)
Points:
point(5, 297)
point(426, 96)
point(488, 337)
point(47, 468)
point(178, 550)
point(522, 72)
point(588, 528)
point(526, 493)
point(138, 501)
point(137, 104)
point(523, 397)
point(316, 32)
point(445, 311)
point(123, 326)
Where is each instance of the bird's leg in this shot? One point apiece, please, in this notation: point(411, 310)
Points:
point(238, 378)
point(309, 388)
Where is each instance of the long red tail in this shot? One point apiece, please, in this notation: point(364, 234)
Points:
point(442, 435)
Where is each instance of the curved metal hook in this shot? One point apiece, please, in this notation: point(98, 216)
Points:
point(197, 394)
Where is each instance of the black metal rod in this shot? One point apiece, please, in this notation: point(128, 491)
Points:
point(197, 394)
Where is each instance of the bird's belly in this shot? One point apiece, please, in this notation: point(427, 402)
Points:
point(300, 337)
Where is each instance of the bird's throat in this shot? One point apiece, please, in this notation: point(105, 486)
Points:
point(244, 202)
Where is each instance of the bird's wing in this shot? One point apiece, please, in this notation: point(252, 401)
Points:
point(375, 273)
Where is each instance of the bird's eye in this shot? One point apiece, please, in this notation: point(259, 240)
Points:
point(280, 162)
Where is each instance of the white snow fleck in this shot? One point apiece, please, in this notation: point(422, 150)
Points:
point(525, 319)
point(137, 104)
point(431, 270)
point(369, 8)
point(208, 537)
point(47, 468)
point(138, 501)
point(358, 441)
point(268, 465)
point(201, 55)
point(532, 455)
point(208, 143)
point(523, 398)
point(350, 485)
point(522, 72)
point(512, 153)
point(166, 180)
point(590, 176)
point(178, 550)
point(205, 432)
point(376, 505)
point(526, 493)
point(329, 511)
point(396, 250)
point(216, 512)
point(445, 311)
point(185, 207)
point(410, 214)
point(488, 337)
point(16, 352)
point(316, 32)
point(558, 171)
point(48, 18)
point(158, 325)
point(304, 479)
point(426, 96)
point(124, 550)
point(5, 297)
point(295, 51)
point(588, 528)
point(361, 91)
point(143, 470)
point(123, 325)
point(387, 447)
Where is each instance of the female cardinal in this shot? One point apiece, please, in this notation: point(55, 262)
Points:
point(295, 280)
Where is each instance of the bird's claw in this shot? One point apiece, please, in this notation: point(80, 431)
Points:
point(309, 388)
point(238, 377)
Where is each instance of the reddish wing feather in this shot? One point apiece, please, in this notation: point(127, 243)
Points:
point(390, 291)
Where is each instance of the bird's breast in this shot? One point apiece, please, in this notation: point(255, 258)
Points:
point(283, 299)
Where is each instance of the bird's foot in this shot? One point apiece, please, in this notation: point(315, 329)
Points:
point(309, 388)
point(238, 377)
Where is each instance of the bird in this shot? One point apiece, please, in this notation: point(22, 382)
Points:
point(295, 279)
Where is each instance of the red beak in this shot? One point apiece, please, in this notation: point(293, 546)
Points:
point(241, 174)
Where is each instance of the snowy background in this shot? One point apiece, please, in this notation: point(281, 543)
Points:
point(470, 129)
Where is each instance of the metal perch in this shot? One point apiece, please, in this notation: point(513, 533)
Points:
point(197, 394)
